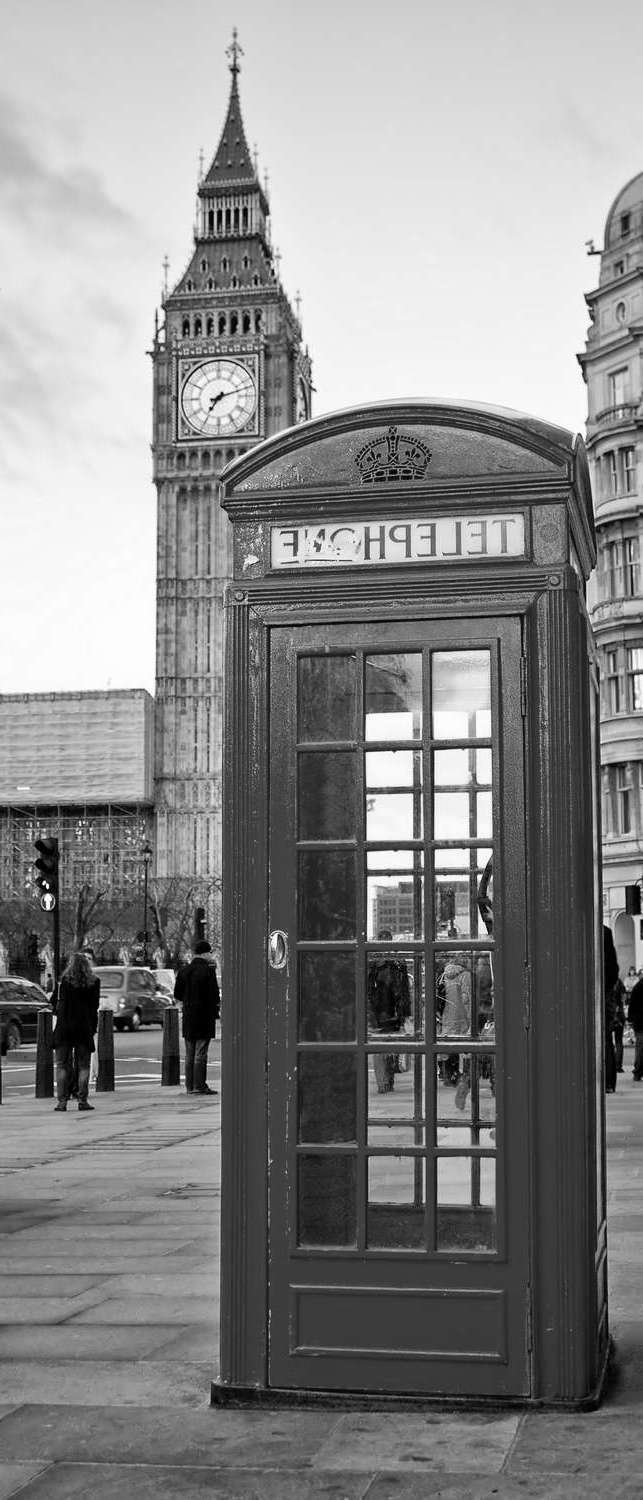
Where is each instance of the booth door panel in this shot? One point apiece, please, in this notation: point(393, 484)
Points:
point(398, 1251)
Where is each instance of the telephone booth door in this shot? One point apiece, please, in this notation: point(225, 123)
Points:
point(398, 1253)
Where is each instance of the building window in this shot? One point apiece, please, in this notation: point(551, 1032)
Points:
point(625, 225)
point(617, 384)
point(634, 659)
point(619, 568)
point(620, 312)
point(204, 265)
point(224, 263)
point(628, 456)
point(185, 326)
point(619, 267)
point(222, 323)
point(630, 566)
point(623, 800)
point(614, 685)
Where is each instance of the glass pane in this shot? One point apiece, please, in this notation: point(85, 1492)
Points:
point(466, 1088)
point(393, 697)
point(326, 795)
point(452, 896)
point(483, 985)
point(466, 1194)
point(393, 815)
point(392, 768)
point(399, 1119)
point(327, 1096)
point(326, 698)
point(484, 819)
point(396, 1201)
point(394, 907)
point(327, 1212)
point(463, 767)
point(394, 860)
point(451, 816)
point(327, 997)
point(461, 695)
point(455, 996)
point(326, 894)
point(388, 993)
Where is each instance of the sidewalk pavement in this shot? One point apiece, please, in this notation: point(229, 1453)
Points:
point(109, 1336)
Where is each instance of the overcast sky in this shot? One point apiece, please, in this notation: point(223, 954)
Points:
point(434, 174)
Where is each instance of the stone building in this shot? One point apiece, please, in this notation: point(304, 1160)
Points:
point(612, 365)
point(229, 369)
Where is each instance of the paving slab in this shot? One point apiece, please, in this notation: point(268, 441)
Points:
point(609, 1449)
point(140, 1482)
point(124, 1383)
point(156, 1435)
point(414, 1440)
point(47, 1343)
point(135, 1310)
point(14, 1478)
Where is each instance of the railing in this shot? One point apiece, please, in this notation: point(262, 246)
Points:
point(612, 415)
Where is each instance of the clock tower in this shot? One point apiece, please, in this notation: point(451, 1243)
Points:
point(229, 369)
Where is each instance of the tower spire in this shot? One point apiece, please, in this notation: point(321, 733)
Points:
point(234, 51)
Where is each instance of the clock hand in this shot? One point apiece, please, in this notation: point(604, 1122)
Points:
point(214, 399)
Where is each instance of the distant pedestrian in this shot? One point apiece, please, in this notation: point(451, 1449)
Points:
point(75, 1029)
point(610, 980)
point(635, 1018)
point(197, 989)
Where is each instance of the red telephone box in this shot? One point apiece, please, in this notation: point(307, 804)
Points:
point(413, 1198)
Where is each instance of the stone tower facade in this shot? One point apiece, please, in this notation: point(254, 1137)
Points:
point(612, 365)
point(229, 369)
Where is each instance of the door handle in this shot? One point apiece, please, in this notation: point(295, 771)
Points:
point(278, 949)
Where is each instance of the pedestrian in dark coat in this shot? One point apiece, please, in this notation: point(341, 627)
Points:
point(197, 989)
point(610, 979)
point(75, 1029)
point(635, 1018)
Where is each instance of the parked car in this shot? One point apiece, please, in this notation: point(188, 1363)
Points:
point(20, 1004)
point(132, 995)
point(165, 980)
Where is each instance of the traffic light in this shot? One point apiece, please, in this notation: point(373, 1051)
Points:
point(47, 866)
point(633, 900)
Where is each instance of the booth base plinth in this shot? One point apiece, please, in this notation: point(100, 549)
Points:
point(240, 1396)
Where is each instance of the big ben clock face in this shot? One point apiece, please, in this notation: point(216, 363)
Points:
point(219, 397)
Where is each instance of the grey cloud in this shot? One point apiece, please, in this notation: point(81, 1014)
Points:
point(45, 196)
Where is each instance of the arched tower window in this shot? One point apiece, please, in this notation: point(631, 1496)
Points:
point(235, 281)
point(198, 327)
point(210, 221)
point(222, 322)
point(244, 219)
point(227, 220)
point(185, 329)
point(258, 320)
point(234, 322)
point(209, 327)
point(236, 221)
point(255, 280)
point(219, 221)
point(246, 322)
point(224, 263)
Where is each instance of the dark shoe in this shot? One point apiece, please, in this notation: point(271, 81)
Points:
point(205, 1090)
point(60, 1107)
point(83, 1104)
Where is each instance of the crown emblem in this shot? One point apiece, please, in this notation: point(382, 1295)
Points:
point(395, 456)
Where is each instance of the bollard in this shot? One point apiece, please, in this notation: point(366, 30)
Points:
point(44, 1056)
point(171, 1061)
point(105, 1045)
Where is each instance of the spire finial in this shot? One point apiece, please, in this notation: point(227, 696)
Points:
point(166, 267)
point(234, 51)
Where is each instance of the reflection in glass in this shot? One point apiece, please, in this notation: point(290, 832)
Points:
point(392, 768)
point(326, 802)
point(411, 989)
point(466, 1198)
point(327, 997)
point(327, 1213)
point(326, 891)
point(455, 996)
point(452, 900)
point(403, 1107)
point(461, 694)
point(396, 1202)
point(396, 905)
point(393, 815)
point(393, 696)
point(326, 698)
point(327, 1102)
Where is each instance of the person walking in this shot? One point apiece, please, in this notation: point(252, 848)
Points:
point(610, 979)
point(75, 1029)
point(197, 990)
point(389, 1005)
point(635, 1018)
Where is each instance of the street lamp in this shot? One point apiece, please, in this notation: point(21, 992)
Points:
point(146, 852)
